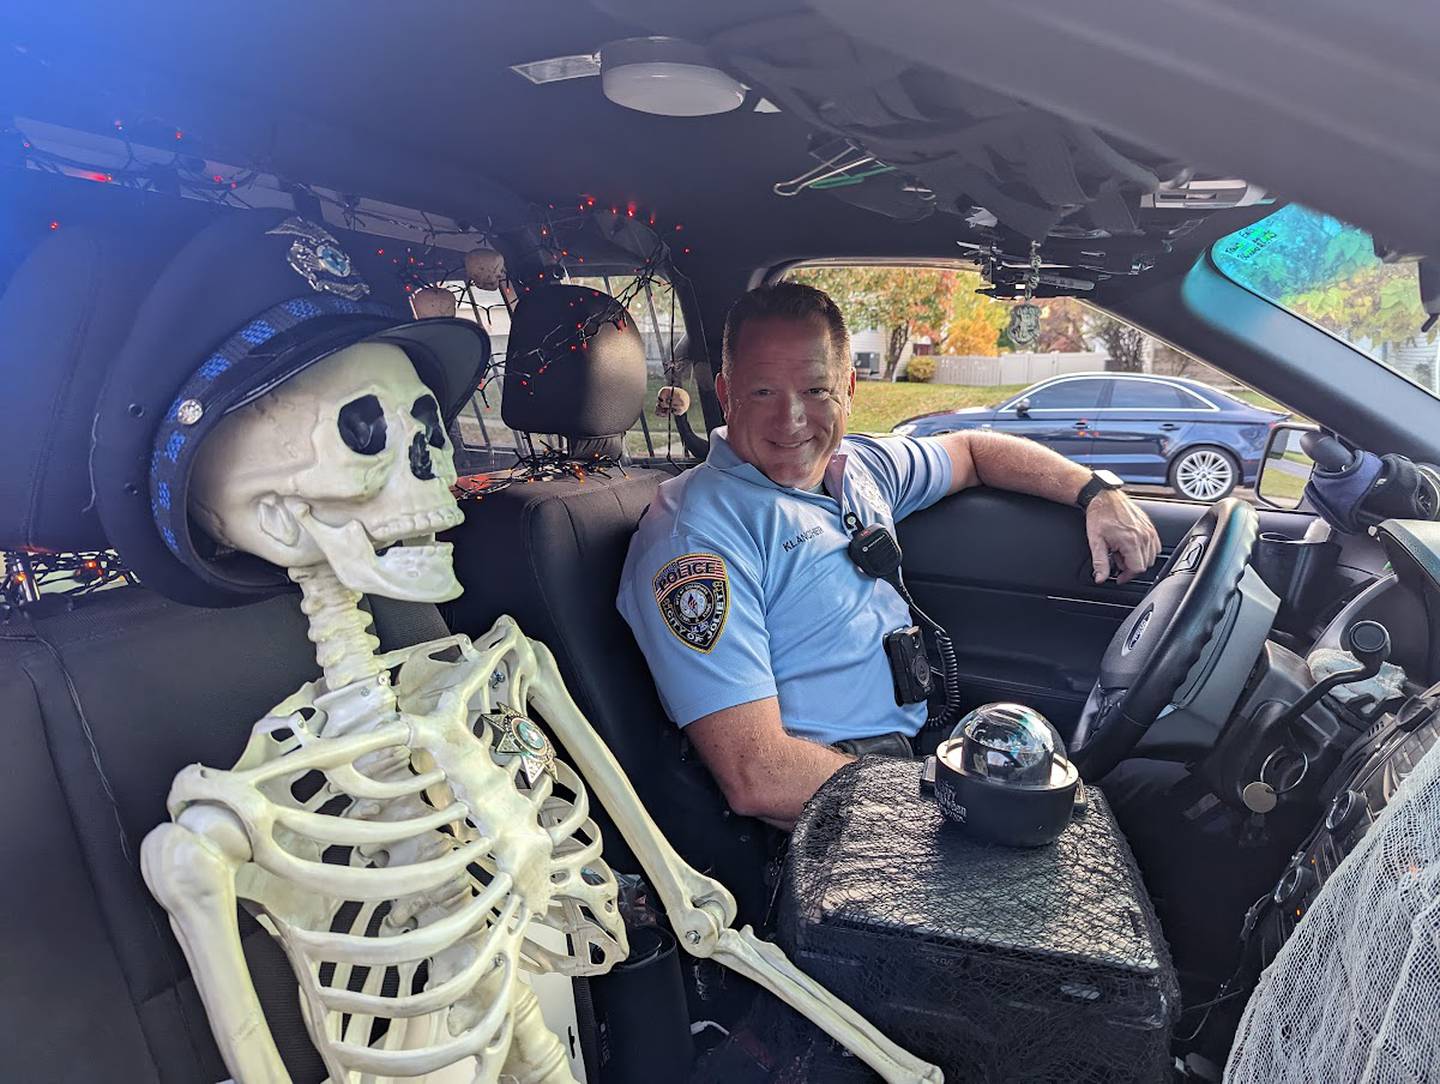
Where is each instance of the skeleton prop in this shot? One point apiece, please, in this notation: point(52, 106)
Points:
point(400, 825)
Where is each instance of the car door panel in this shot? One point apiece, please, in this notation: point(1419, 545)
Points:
point(1141, 423)
point(1009, 577)
point(1061, 431)
point(1061, 415)
point(1135, 445)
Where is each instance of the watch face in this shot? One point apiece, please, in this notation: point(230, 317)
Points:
point(1110, 478)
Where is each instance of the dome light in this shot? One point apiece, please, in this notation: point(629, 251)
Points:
point(667, 77)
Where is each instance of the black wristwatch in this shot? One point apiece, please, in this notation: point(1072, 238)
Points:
point(1100, 480)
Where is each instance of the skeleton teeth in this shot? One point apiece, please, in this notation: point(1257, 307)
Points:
point(418, 573)
point(417, 525)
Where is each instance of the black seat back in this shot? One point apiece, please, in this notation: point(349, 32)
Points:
point(107, 698)
point(549, 552)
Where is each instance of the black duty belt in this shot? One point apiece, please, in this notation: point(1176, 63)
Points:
point(893, 744)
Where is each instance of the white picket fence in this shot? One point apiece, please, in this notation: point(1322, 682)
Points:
point(1013, 368)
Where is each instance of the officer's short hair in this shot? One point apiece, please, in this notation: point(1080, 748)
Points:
point(789, 299)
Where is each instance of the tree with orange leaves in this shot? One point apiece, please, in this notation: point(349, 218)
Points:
point(906, 301)
point(975, 321)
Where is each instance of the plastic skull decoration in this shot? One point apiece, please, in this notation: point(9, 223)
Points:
point(347, 463)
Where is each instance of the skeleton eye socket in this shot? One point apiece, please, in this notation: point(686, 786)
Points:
point(362, 425)
point(427, 412)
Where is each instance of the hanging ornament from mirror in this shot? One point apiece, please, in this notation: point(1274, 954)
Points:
point(484, 268)
point(1024, 327)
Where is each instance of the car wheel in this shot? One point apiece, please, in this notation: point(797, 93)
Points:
point(1204, 474)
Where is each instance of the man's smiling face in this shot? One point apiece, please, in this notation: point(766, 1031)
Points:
point(786, 399)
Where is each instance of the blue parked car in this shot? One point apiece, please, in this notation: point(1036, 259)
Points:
point(1150, 430)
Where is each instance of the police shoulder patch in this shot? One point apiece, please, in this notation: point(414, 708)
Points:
point(693, 593)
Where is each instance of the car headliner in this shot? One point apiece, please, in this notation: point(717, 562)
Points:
point(416, 104)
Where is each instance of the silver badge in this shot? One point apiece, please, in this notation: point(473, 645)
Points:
point(515, 736)
point(318, 258)
point(1024, 326)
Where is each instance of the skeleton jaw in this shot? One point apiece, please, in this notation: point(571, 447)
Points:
point(415, 568)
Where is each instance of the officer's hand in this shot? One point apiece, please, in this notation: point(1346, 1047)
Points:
point(1115, 524)
point(671, 400)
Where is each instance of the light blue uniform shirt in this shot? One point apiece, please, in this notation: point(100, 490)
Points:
point(739, 589)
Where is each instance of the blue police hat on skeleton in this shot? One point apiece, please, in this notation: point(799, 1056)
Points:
point(248, 303)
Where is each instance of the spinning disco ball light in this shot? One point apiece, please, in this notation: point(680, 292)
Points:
point(1004, 778)
point(1009, 743)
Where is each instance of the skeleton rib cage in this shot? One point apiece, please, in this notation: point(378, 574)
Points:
point(401, 864)
point(399, 826)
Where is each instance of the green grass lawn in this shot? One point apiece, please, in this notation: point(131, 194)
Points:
point(1264, 402)
point(879, 406)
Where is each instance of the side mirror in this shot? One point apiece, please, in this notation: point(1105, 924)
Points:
point(1285, 466)
point(1022, 408)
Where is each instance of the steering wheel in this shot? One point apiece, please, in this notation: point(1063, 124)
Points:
point(1164, 636)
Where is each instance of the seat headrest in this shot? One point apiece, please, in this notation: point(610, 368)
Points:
point(574, 365)
point(65, 313)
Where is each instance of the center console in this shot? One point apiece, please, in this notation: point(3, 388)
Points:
point(995, 963)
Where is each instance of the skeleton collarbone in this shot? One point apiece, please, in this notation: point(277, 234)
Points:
point(415, 839)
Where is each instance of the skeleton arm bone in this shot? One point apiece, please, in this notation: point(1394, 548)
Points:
point(763, 963)
point(190, 867)
point(698, 906)
point(701, 909)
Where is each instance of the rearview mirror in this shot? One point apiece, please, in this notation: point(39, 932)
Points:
point(1285, 468)
point(1022, 407)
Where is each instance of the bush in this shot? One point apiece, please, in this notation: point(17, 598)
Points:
point(921, 370)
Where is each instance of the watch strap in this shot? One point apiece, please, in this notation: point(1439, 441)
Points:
point(1092, 489)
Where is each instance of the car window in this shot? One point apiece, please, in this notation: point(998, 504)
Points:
point(930, 353)
point(656, 311)
point(1068, 395)
point(484, 442)
point(1151, 395)
point(482, 439)
point(1328, 273)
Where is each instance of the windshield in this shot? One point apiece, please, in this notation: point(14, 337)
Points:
point(1326, 271)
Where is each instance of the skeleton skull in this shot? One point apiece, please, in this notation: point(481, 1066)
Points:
point(347, 463)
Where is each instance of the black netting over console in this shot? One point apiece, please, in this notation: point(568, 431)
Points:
point(995, 963)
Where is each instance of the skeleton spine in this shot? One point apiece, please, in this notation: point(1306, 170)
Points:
point(344, 646)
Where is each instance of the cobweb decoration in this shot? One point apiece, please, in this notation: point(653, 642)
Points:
point(546, 464)
point(1045, 965)
point(1354, 995)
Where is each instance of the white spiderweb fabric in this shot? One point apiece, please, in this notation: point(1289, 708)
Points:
point(1354, 996)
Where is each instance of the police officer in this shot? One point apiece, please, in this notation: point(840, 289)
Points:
point(764, 638)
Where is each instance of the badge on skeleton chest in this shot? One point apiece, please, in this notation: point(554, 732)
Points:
point(517, 736)
point(693, 593)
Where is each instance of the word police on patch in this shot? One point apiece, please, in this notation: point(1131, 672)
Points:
point(693, 593)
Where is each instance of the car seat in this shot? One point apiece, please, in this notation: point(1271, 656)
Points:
point(549, 551)
point(108, 695)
